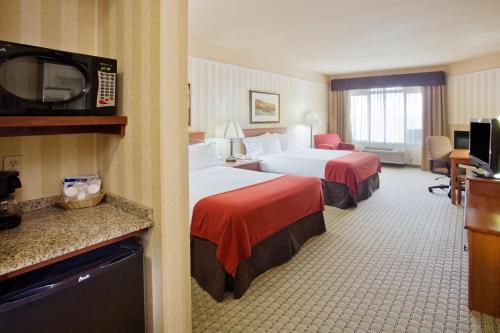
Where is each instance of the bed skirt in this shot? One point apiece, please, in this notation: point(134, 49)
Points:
point(271, 252)
point(337, 195)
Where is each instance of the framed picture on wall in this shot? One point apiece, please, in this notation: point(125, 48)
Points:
point(264, 107)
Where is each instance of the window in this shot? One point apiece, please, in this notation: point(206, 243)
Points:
point(386, 116)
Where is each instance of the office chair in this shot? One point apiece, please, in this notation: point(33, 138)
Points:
point(439, 149)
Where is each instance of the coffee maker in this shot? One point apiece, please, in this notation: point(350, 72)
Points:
point(10, 215)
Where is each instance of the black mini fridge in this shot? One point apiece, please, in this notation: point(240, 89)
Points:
point(99, 291)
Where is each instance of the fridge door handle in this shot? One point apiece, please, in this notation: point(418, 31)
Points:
point(44, 290)
point(30, 292)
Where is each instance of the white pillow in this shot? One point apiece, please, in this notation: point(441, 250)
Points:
point(263, 144)
point(202, 156)
point(252, 146)
point(270, 143)
point(289, 141)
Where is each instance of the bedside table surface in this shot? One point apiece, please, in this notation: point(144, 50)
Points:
point(240, 163)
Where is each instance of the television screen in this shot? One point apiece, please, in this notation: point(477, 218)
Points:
point(480, 141)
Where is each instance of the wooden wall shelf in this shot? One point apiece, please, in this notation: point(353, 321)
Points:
point(40, 125)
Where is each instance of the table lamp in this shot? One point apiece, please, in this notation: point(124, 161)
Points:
point(232, 131)
point(311, 119)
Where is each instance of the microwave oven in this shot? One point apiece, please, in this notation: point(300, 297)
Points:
point(40, 81)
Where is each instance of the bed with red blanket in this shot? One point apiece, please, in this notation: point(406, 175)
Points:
point(347, 176)
point(245, 222)
point(351, 178)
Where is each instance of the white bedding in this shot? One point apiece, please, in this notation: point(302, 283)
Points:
point(302, 162)
point(219, 179)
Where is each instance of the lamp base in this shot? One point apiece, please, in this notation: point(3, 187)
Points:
point(231, 159)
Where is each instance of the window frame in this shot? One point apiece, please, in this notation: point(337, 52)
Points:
point(368, 92)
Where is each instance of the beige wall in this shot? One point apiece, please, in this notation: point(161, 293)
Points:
point(473, 95)
point(69, 25)
point(174, 165)
point(220, 92)
point(489, 61)
point(149, 39)
point(473, 90)
point(131, 32)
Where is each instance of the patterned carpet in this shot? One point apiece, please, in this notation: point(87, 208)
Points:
point(394, 264)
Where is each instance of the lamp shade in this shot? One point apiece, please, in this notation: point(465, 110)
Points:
point(233, 130)
point(312, 118)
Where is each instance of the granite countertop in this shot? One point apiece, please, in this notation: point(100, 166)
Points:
point(48, 232)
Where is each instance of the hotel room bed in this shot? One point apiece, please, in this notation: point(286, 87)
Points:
point(347, 177)
point(245, 222)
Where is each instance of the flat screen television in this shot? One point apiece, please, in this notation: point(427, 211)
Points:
point(485, 145)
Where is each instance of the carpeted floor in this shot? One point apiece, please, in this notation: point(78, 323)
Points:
point(393, 264)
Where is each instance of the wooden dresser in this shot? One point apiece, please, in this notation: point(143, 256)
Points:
point(482, 220)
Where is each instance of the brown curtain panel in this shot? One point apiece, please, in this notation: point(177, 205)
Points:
point(338, 115)
point(433, 116)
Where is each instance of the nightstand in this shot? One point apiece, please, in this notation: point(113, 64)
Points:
point(253, 165)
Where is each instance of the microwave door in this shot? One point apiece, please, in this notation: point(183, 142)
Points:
point(61, 82)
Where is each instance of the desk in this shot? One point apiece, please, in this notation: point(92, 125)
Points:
point(457, 156)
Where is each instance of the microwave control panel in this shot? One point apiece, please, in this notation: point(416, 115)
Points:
point(107, 87)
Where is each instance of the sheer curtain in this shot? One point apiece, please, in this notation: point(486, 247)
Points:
point(387, 118)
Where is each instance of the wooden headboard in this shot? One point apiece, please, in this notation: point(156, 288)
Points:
point(259, 131)
point(249, 132)
point(196, 137)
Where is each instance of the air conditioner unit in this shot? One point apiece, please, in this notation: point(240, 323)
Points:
point(388, 155)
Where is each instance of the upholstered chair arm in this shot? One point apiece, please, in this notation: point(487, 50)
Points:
point(325, 146)
point(346, 146)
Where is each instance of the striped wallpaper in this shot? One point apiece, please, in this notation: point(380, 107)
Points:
point(220, 92)
point(473, 95)
point(135, 46)
point(75, 28)
point(130, 166)
point(70, 25)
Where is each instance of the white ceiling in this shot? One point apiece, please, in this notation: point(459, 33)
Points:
point(334, 36)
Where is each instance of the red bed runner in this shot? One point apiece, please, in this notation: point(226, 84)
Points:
point(238, 220)
point(352, 169)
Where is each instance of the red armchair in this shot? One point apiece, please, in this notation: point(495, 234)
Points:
point(331, 142)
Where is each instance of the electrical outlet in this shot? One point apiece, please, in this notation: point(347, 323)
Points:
point(13, 163)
